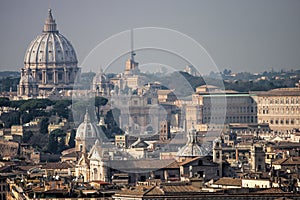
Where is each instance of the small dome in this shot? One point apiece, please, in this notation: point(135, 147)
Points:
point(191, 148)
point(50, 47)
point(87, 129)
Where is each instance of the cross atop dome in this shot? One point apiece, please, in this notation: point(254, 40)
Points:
point(50, 25)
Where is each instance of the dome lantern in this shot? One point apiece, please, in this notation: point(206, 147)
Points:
point(50, 25)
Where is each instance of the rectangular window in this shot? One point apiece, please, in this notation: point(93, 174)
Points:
point(50, 76)
point(60, 76)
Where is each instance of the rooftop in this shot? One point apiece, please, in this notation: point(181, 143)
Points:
point(229, 181)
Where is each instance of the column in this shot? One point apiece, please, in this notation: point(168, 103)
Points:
point(34, 73)
point(66, 75)
point(44, 77)
point(166, 174)
point(55, 77)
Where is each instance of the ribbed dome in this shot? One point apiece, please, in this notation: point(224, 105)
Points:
point(87, 129)
point(192, 149)
point(50, 47)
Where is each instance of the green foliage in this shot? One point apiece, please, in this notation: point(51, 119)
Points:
point(56, 143)
point(26, 136)
point(26, 117)
point(79, 107)
point(111, 120)
point(35, 104)
point(227, 72)
point(4, 101)
point(60, 108)
point(52, 143)
point(29, 109)
point(44, 125)
point(9, 83)
point(10, 118)
point(72, 139)
point(17, 104)
point(99, 101)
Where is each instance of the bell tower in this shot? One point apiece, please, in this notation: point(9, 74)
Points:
point(217, 155)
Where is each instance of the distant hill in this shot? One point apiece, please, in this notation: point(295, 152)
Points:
point(9, 80)
point(9, 74)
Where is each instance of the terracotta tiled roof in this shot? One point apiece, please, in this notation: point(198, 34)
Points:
point(100, 182)
point(229, 181)
point(207, 161)
point(173, 165)
point(279, 161)
point(292, 161)
point(271, 191)
point(26, 167)
point(5, 169)
point(288, 161)
point(138, 190)
point(67, 151)
point(139, 164)
point(284, 144)
point(72, 154)
point(155, 191)
point(63, 165)
point(159, 190)
point(189, 161)
point(180, 189)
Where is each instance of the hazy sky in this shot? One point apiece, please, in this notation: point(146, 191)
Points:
point(252, 35)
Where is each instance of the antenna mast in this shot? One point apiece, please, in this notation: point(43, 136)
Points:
point(132, 51)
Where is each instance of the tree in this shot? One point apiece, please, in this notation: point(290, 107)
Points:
point(227, 72)
point(44, 125)
point(8, 83)
point(26, 136)
point(111, 120)
point(17, 104)
point(35, 104)
point(52, 143)
point(100, 101)
point(56, 142)
point(78, 109)
point(60, 108)
point(10, 118)
point(4, 102)
point(72, 139)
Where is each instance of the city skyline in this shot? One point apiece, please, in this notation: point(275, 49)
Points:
point(241, 36)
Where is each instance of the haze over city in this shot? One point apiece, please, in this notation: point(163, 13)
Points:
point(122, 100)
point(249, 36)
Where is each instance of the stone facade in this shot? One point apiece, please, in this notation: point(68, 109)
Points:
point(215, 108)
point(280, 108)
